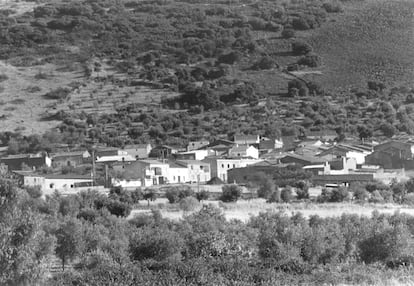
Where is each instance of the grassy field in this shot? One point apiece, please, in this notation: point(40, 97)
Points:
point(244, 209)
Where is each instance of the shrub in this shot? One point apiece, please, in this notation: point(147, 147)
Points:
point(189, 204)
point(202, 195)
point(264, 63)
point(409, 199)
point(185, 191)
point(274, 197)
point(333, 195)
point(3, 77)
point(88, 214)
point(230, 193)
point(286, 195)
point(339, 195)
point(59, 93)
point(266, 188)
point(172, 195)
point(154, 243)
point(229, 58)
point(288, 33)
point(34, 192)
point(136, 196)
point(387, 195)
point(301, 48)
point(333, 7)
point(376, 85)
point(302, 190)
point(361, 194)
point(311, 60)
point(376, 197)
point(118, 208)
point(389, 244)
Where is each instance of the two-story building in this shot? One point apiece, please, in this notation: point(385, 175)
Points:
point(198, 171)
point(138, 151)
point(50, 183)
point(244, 151)
point(149, 172)
point(393, 155)
point(71, 159)
point(30, 161)
point(219, 166)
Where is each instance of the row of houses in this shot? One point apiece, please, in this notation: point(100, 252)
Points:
point(234, 161)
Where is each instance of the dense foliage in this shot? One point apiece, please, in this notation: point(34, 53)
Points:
point(203, 247)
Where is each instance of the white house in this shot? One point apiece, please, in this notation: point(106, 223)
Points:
point(65, 184)
point(198, 171)
point(149, 172)
point(138, 151)
point(220, 166)
point(193, 155)
point(347, 151)
point(243, 151)
point(177, 173)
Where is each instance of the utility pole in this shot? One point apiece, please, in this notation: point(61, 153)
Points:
point(93, 168)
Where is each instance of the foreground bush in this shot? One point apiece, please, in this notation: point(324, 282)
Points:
point(230, 193)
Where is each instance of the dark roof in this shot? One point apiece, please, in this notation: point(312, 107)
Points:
point(69, 154)
point(345, 177)
point(136, 146)
point(215, 181)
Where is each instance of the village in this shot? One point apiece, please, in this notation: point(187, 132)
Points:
point(205, 165)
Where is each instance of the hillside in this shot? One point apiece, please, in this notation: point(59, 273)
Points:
point(173, 71)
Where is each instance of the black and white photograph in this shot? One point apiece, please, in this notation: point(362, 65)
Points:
point(206, 142)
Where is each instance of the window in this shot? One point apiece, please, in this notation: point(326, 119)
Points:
point(173, 178)
point(192, 168)
point(51, 186)
point(222, 165)
point(228, 166)
point(71, 186)
point(234, 165)
point(201, 167)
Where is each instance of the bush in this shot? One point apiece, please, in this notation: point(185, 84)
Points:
point(302, 190)
point(389, 244)
point(34, 192)
point(266, 187)
point(333, 195)
point(339, 195)
point(202, 195)
point(361, 194)
point(376, 197)
point(229, 58)
point(3, 77)
point(274, 197)
point(155, 243)
point(301, 48)
point(59, 93)
point(230, 193)
point(335, 7)
point(172, 195)
point(118, 208)
point(286, 195)
point(264, 63)
point(189, 204)
point(312, 61)
point(288, 33)
point(409, 199)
